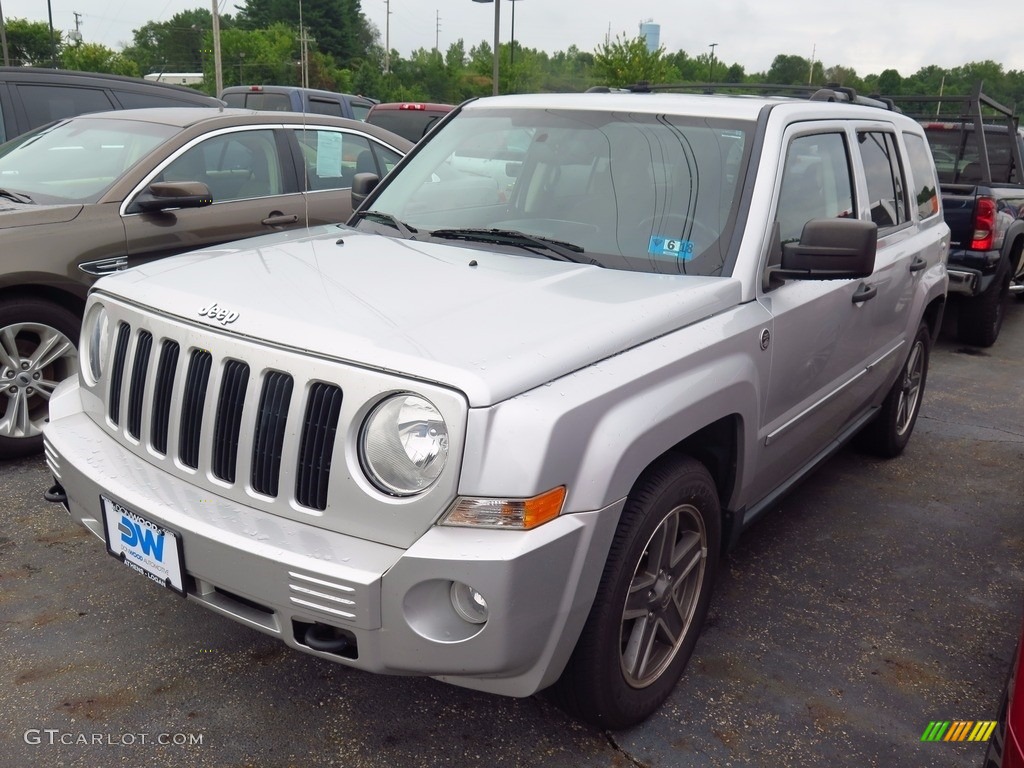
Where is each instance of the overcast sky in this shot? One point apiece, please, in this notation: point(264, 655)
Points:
point(869, 36)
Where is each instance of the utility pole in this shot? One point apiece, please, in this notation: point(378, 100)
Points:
point(387, 36)
point(218, 73)
point(711, 66)
point(437, 32)
point(77, 34)
point(53, 43)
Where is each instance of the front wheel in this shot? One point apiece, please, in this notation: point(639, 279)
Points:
point(890, 432)
point(37, 351)
point(652, 599)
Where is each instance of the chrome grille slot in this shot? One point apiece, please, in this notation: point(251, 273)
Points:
point(270, 427)
point(137, 387)
point(165, 373)
point(117, 372)
point(333, 598)
point(316, 447)
point(228, 423)
point(192, 406)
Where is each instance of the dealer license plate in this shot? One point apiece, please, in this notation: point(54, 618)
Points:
point(144, 546)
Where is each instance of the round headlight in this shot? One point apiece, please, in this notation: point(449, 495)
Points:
point(404, 445)
point(96, 339)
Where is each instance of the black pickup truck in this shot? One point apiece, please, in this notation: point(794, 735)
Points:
point(978, 146)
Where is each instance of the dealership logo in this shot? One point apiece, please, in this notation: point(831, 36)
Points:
point(141, 537)
point(958, 730)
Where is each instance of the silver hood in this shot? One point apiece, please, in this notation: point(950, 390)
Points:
point(491, 325)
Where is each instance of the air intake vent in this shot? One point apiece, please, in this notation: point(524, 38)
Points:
point(317, 446)
point(117, 372)
point(229, 419)
point(193, 402)
point(165, 372)
point(140, 367)
point(270, 425)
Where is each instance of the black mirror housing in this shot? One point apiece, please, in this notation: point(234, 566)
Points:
point(831, 249)
point(160, 196)
point(362, 185)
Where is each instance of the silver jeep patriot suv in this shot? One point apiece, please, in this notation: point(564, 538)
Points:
point(499, 429)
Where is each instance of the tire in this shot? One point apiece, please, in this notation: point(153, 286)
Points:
point(981, 317)
point(38, 349)
point(652, 599)
point(890, 432)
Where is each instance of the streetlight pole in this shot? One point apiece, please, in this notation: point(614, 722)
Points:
point(512, 49)
point(497, 40)
point(711, 66)
point(218, 72)
point(53, 44)
point(3, 39)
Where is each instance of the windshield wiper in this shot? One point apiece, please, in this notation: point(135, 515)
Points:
point(559, 250)
point(404, 229)
point(18, 197)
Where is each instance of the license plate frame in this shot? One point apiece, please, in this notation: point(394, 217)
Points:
point(148, 548)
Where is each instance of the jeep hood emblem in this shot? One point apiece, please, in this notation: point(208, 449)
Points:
point(218, 313)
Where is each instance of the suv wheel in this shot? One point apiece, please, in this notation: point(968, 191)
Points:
point(651, 602)
point(890, 432)
point(37, 352)
point(981, 317)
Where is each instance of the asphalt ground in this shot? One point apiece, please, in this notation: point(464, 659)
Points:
point(880, 596)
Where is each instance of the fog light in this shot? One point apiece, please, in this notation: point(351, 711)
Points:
point(468, 603)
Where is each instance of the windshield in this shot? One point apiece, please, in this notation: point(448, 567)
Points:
point(77, 160)
point(654, 193)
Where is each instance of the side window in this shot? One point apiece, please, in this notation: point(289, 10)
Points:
point(926, 187)
point(44, 103)
point(235, 166)
point(333, 158)
point(885, 178)
point(816, 183)
point(360, 109)
point(325, 107)
point(386, 157)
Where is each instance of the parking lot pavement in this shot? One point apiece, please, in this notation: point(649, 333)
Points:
point(881, 596)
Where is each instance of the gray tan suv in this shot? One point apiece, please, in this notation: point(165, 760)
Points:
point(500, 430)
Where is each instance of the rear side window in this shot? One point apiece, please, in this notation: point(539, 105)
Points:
point(886, 185)
point(816, 183)
point(925, 190)
point(275, 102)
point(360, 110)
point(325, 107)
point(45, 103)
point(333, 158)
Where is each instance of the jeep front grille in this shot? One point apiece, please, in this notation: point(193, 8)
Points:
point(232, 432)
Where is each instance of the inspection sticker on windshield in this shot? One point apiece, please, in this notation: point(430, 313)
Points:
point(664, 246)
point(142, 545)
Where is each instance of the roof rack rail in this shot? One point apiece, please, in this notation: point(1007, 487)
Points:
point(829, 92)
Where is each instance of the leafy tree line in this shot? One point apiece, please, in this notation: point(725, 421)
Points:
point(262, 43)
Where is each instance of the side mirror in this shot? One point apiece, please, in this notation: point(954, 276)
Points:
point(362, 185)
point(829, 249)
point(179, 194)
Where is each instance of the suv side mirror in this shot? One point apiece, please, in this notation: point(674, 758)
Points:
point(829, 249)
point(179, 194)
point(362, 186)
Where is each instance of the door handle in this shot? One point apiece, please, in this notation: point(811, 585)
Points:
point(864, 293)
point(278, 219)
point(918, 264)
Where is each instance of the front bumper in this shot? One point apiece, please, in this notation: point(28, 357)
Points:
point(394, 606)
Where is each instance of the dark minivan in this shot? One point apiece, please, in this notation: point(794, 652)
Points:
point(33, 96)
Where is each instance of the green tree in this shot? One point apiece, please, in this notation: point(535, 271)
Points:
point(789, 70)
point(338, 26)
point(624, 62)
point(178, 45)
point(890, 83)
point(93, 57)
point(28, 43)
